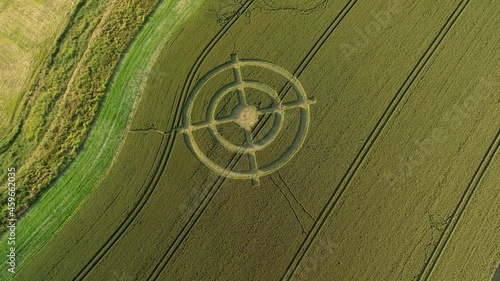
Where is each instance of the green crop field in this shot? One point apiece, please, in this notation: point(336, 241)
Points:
point(285, 140)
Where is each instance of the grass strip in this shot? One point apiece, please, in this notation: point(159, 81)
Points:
point(62, 199)
point(62, 122)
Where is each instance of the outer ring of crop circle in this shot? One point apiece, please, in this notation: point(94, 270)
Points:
point(276, 164)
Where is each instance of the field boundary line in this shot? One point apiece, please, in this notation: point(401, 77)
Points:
point(214, 189)
point(465, 199)
point(27, 260)
point(165, 155)
point(55, 104)
point(373, 136)
point(111, 81)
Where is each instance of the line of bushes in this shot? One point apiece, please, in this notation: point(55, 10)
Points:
point(68, 94)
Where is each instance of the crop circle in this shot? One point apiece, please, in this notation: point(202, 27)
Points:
point(247, 118)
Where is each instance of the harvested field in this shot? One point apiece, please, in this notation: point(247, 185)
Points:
point(29, 29)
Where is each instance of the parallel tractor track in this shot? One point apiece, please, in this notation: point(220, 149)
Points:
point(366, 148)
point(164, 154)
point(214, 189)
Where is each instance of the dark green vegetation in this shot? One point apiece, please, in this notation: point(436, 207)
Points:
point(59, 111)
point(397, 179)
point(90, 166)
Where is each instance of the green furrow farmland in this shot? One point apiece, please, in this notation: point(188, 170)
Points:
point(422, 178)
point(392, 107)
point(476, 235)
point(57, 205)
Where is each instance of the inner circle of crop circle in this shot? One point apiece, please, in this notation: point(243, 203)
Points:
point(255, 146)
point(245, 116)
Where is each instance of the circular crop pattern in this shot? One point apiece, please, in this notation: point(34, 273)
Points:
point(246, 117)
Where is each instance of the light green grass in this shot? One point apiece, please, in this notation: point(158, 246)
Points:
point(64, 197)
point(67, 96)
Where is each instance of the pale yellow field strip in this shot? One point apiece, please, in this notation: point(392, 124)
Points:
point(28, 31)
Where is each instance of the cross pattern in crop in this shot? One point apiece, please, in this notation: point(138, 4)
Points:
point(246, 116)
